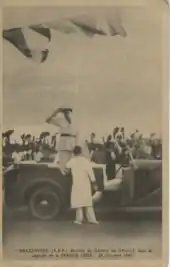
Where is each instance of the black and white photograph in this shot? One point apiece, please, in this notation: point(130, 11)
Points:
point(82, 132)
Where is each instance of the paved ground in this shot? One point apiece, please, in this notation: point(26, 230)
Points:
point(113, 233)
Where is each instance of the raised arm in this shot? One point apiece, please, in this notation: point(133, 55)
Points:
point(51, 118)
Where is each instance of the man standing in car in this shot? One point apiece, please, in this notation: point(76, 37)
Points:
point(61, 118)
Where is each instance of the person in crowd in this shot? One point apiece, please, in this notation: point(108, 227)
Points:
point(114, 153)
point(92, 137)
point(115, 132)
point(16, 156)
point(21, 154)
point(33, 139)
point(91, 144)
point(146, 147)
point(156, 149)
point(22, 139)
point(126, 156)
point(26, 155)
point(30, 154)
point(109, 141)
point(110, 159)
point(81, 195)
point(38, 155)
point(99, 155)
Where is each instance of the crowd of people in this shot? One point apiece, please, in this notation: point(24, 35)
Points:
point(118, 149)
point(116, 146)
point(138, 145)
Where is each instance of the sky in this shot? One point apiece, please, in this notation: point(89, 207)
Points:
point(109, 81)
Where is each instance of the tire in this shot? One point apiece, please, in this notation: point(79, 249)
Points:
point(45, 203)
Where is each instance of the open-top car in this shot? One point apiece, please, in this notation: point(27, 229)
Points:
point(46, 191)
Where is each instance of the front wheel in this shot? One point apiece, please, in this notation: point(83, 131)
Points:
point(45, 203)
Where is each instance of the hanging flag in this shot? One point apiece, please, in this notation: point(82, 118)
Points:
point(87, 24)
point(115, 24)
point(42, 30)
point(16, 37)
point(64, 26)
point(116, 30)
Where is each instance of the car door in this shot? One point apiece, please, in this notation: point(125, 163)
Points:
point(148, 181)
point(128, 186)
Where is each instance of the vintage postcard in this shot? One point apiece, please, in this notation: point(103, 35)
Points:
point(84, 133)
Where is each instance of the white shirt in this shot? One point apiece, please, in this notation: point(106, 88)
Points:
point(16, 157)
point(81, 168)
point(82, 173)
